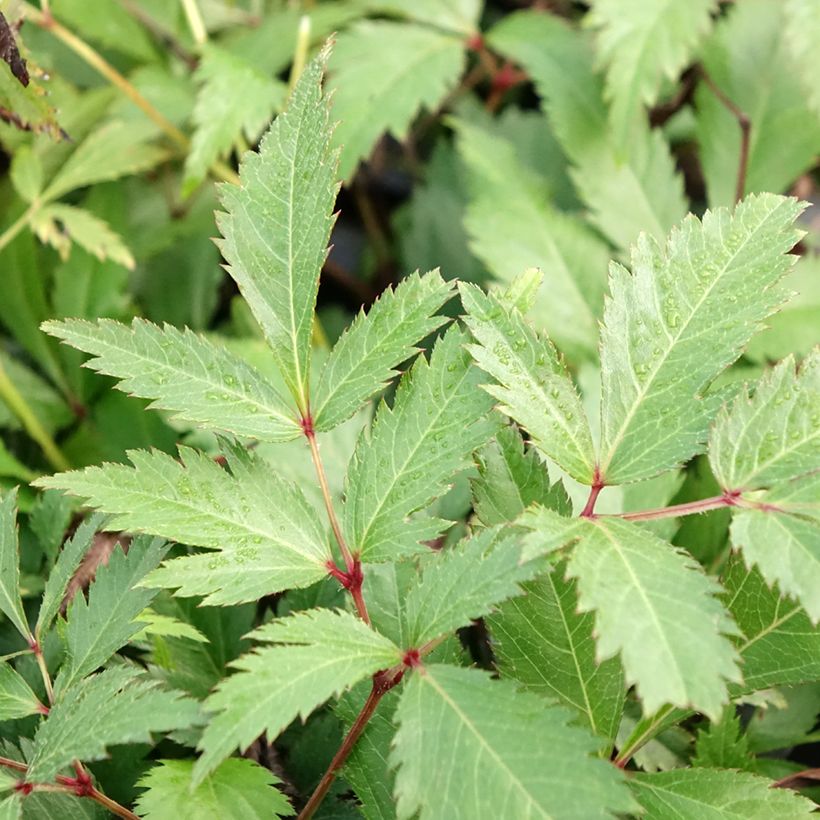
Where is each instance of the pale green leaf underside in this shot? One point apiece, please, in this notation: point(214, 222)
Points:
point(276, 226)
point(803, 34)
point(543, 642)
point(263, 547)
point(104, 623)
point(786, 548)
point(16, 698)
point(458, 15)
point(775, 435)
point(655, 607)
point(381, 74)
point(439, 417)
point(641, 43)
point(237, 789)
point(463, 583)
point(319, 653)
point(533, 387)
point(11, 808)
point(222, 117)
point(365, 357)
point(712, 794)
point(11, 605)
point(466, 748)
point(676, 321)
point(198, 380)
point(112, 707)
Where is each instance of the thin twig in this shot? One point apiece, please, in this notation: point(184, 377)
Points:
point(745, 126)
point(195, 22)
point(689, 508)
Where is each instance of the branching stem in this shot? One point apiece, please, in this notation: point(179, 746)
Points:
point(728, 499)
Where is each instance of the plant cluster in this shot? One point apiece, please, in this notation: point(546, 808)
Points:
point(536, 534)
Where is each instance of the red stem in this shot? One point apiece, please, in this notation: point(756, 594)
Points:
point(594, 492)
point(728, 499)
point(787, 781)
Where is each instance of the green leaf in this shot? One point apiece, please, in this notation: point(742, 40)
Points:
point(12, 467)
point(415, 447)
point(785, 547)
point(456, 15)
point(198, 380)
point(16, 698)
point(237, 790)
point(778, 643)
point(364, 358)
point(709, 794)
point(774, 436)
point(550, 531)
point(748, 51)
point(465, 582)
point(263, 547)
point(113, 150)
point(642, 44)
point(529, 231)
point(318, 654)
point(542, 641)
point(802, 34)
point(97, 628)
point(510, 478)
point(11, 604)
point(723, 745)
point(381, 74)
point(714, 283)
point(60, 225)
point(655, 606)
point(26, 173)
point(116, 706)
point(11, 808)
point(534, 387)
point(222, 117)
point(491, 767)
point(276, 226)
point(624, 195)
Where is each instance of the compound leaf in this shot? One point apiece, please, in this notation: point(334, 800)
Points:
point(366, 355)
point(382, 72)
point(775, 435)
point(713, 284)
point(276, 223)
point(263, 547)
point(533, 387)
point(415, 447)
point(492, 767)
point(198, 380)
point(711, 794)
point(115, 706)
point(237, 789)
point(317, 654)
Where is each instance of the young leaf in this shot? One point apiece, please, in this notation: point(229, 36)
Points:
point(785, 547)
point(723, 745)
point(381, 74)
point(263, 547)
point(318, 654)
point(528, 232)
point(221, 116)
point(543, 642)
point(777, 642)
point(465, 582)
point(534, 387)
point(802, 33)
point(710, 794)
point(492, 767)
point(641, 45)
point(715, 280)
point(511, 477)
point(61, 225)
point(97, 628)
point(115, 706)
point(438, 418)
point(624, 195)
point(276, 226)
point(366, 355)
point(775, 435)
point(198, 380)
point(16, 698)
point(11, 604)
point(655, 606)
point(237, 790)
